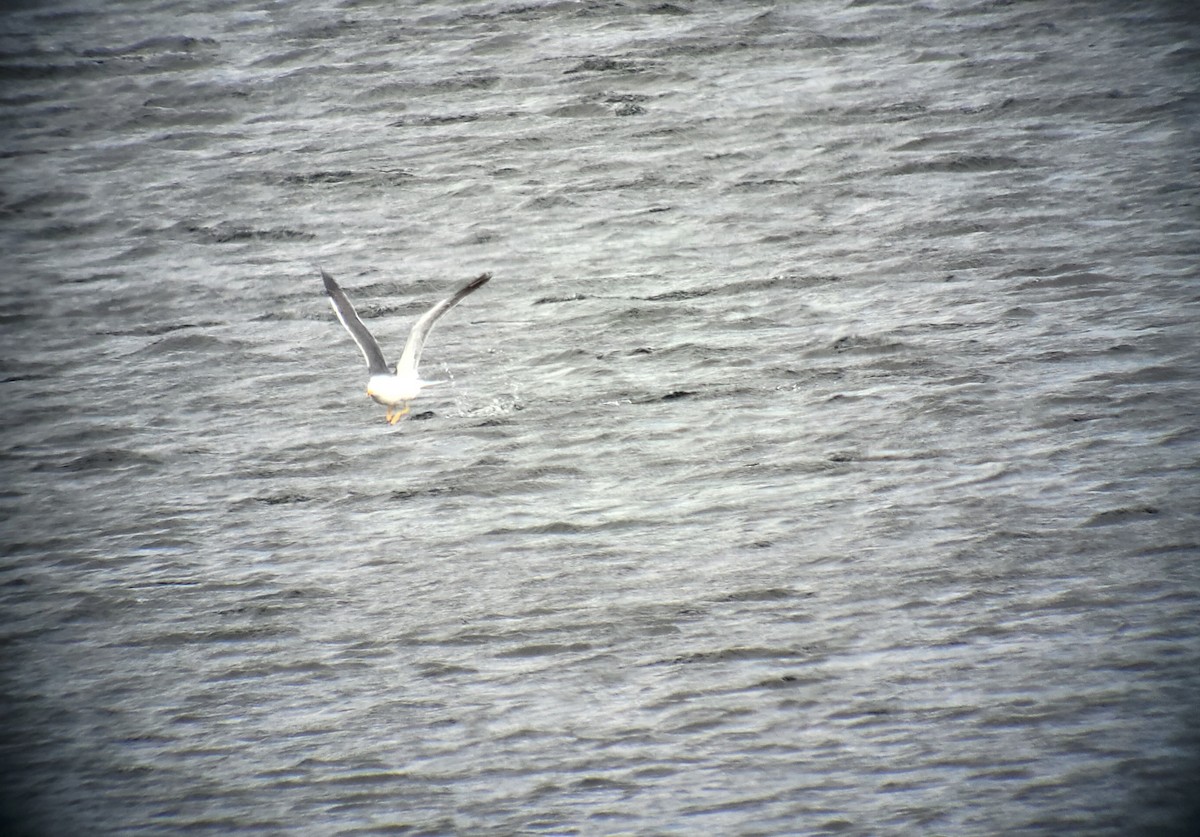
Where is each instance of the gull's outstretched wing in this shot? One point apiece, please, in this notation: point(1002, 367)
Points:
point(416, 339)
point(349, 317)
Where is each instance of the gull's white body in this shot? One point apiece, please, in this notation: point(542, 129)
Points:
point(393, 389)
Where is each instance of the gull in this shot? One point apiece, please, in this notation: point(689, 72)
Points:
point(393, 390)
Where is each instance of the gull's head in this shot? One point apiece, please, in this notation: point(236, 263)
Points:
point(377, 390)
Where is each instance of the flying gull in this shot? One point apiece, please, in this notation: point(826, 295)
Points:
point(386, 388)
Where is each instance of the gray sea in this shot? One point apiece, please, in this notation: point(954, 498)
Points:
point(821, 459)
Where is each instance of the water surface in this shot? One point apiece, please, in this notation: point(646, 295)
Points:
point(821, 459)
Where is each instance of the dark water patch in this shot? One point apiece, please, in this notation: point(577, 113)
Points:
point(225, 232)
point(231, 634)
point(595, 784)
point(155, 330)
point(936, 140)
point(98, 276)
point(55, 229)
point(96, 606)
point(157, 117)
point(12, 377)
point(670, 9)
point(108, 459)
point(1113, 517)
point(190, 140)
point(569, 527)
point(156, 46)
point(790, 280)
point(961, 164)
point(436, 671)
point(585, 110)
point(283, 672)
point(404, 494)
point(546, 300)
point(187, 343)
point(1152, 374)
point(326, 30)
point(947, 228)
point(286, 58)
point(673, 296)
point(402, 89)
point(735, 654)
point(786, 681)
point(544, 650)
point(66, 69)
point(543, 203)
point(282, 499)
point(767, 184)
point(770, 594)
point(865, 344)
point(610, 97)
point(427, 120)
point(40, 201)
point(1182, 436)
point(605, 64)
point(902, 111)
point(295, 316)
point(309, 178)
point(193, 95)
point(1085, 282)
point(643, 317)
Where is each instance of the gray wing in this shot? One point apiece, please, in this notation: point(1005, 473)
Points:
point(349, 317)
point(416, 339)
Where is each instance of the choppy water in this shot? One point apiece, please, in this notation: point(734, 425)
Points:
point(821, 459)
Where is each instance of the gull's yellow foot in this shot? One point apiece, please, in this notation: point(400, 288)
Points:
point(399, 414)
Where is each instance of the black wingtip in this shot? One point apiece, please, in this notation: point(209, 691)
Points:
point(330, 285)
